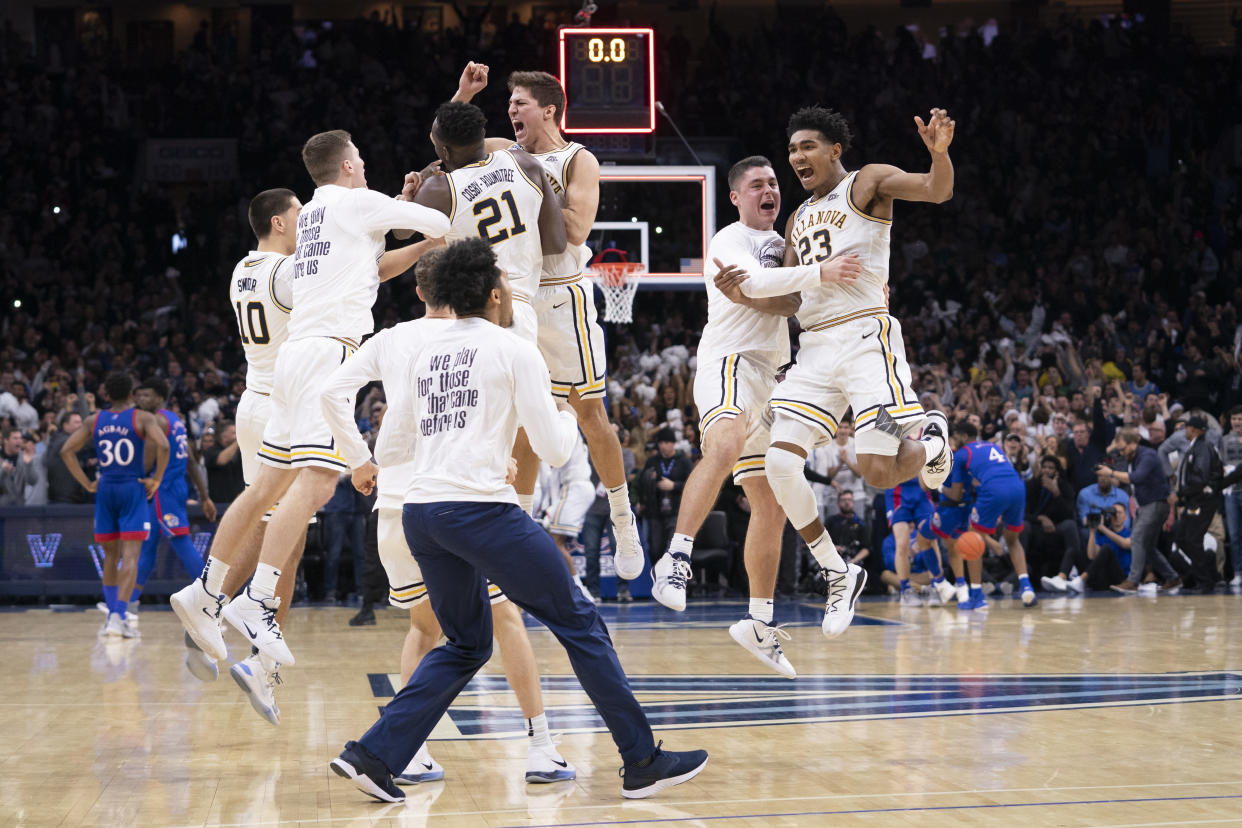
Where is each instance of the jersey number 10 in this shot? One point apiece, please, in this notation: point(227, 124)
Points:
point(492, 207)
point(254, 313)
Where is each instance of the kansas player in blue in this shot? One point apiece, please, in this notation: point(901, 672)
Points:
point(168, 508)
point(122, 516)
point(946, 524)
point(999, 495)
point(906, 506)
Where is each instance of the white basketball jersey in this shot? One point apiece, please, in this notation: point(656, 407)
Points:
point(832, 225)
point(494, 200)
point(555, 165)
point(261, 293)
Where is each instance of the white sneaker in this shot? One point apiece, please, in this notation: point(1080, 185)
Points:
point(115, 626)
point(963, 593)
point(1076, 584)
point(843, 591)
point(422, 768)
point(989, 587)
point(259, 685)
point(546, 765)
point(944, 591)
point(1236, 581)
point(129, 627)
point(1054, 584)
point(936, 471)
point(199, 612)
point(627, 558)
point(256, 619)
point(131, 617)
point(202, 666)
point(1028, 598)
point(763, 640)
point(668, 580)
point(910, 598)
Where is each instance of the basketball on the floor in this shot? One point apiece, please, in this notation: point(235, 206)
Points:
point(970, 546)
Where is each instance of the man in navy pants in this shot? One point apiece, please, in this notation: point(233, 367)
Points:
point(472, 388)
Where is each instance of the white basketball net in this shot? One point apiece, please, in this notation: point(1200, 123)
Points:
point(619, 282)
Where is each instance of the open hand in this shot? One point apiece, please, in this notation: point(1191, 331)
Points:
point(728, 280)
point(844, 268)
point(937, 133)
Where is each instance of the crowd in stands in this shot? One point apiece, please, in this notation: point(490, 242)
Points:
point(1085, 275)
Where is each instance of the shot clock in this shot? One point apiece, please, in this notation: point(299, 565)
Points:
point(609, 80)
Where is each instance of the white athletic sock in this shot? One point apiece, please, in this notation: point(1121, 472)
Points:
point(263, 584)
point(933, 445)
point(619, 503)
point(527, 502)
point(825, 551)
point(214, 573)
point(761, 609)
point(537, 730)
point(681, 544)
point(423, 756)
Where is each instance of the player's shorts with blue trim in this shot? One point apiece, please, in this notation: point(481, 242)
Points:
point(168, 508)
point(910, 510)
point(121, 511)
point(1005, 500)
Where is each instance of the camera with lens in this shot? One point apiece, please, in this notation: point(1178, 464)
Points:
point(1093, 519)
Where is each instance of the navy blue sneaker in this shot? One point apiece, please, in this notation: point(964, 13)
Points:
point(367, 772)
point(662, 769)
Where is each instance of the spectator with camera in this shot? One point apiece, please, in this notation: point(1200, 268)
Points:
point(1098, 498)
point(1147, 478)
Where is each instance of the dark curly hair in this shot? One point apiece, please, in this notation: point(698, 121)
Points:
point(829, 123)
point(156, 385)
point(464, 275)
point(118, 386)
point(460, 124)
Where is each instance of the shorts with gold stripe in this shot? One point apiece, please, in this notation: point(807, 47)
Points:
point(296, 434)
point(405, 580)
point(733, 386)
point(569, 508)
point(570, 338)
point(859, 362)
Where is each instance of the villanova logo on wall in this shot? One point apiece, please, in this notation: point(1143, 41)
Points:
point(683, 702)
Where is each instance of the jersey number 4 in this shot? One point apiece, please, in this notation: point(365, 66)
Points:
point(824, 245)
point(254, 318)
point(495, 215)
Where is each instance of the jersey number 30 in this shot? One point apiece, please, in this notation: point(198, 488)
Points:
point(494, 216)
point(255, 319)
point(120, 451)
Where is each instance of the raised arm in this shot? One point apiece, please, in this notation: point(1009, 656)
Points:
point(376, 212)
point(884, 183)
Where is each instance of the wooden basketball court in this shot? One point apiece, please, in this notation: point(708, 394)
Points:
point(1098, 711)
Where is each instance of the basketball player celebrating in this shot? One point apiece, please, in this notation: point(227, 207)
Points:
point(744, 344)
point(851, 353)
point(471, 389)
point(386, 357)
point(335, 280)
point(570, 337)
point(168, 508)
point(122, 517)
